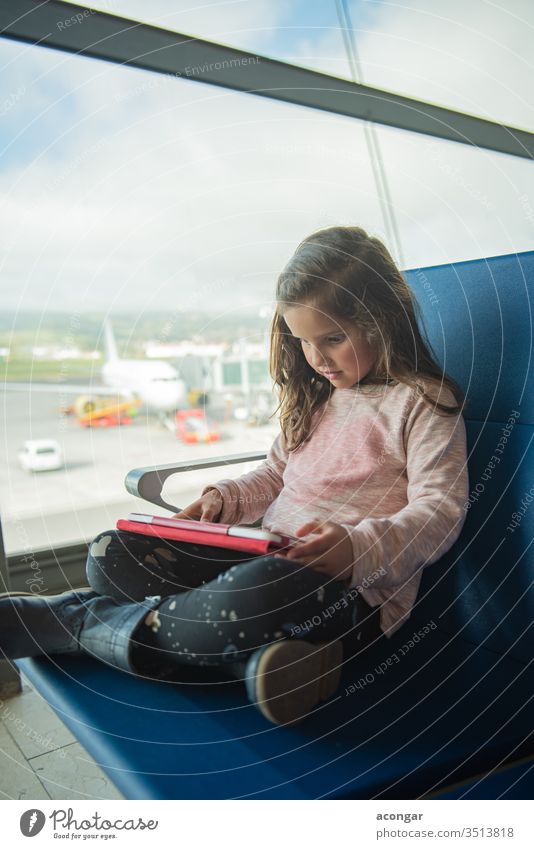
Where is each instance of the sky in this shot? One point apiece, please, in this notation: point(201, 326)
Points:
point(121, 189)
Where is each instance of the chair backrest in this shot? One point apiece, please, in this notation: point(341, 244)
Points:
point(477, 317)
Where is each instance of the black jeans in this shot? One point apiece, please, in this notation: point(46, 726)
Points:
point(221, 605)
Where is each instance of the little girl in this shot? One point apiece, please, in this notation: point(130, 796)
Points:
point(369, 470)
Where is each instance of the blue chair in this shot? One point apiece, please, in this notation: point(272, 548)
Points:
point(455, 705)
point(510, 782)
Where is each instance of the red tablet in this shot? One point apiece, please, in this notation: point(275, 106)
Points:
point(237, 537)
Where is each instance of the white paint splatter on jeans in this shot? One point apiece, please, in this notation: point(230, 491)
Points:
point(99, 547)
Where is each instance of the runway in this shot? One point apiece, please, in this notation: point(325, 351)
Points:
point(45, 509)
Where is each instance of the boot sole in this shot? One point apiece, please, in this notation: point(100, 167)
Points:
point(17, 593)
point(293, 676)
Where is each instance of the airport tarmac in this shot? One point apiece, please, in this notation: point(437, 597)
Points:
point(44, 509)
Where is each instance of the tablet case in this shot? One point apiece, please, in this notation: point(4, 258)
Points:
point(236, 537)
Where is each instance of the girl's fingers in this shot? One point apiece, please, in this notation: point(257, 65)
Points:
point(182, 516)
point(309, 527)
point(308, 549)
point(312, 562)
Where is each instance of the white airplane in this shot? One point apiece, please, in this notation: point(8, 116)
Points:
point(154, 382)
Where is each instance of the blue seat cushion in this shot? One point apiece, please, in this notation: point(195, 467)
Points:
point(443, 711)
point(482, 587)
point(512, 782)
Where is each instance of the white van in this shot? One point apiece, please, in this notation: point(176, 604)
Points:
point(40, 455)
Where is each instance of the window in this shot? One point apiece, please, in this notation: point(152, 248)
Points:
point(474, 57)
point(454, 202)
point(170, 207)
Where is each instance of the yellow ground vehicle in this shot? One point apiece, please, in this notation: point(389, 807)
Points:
point(104, 412)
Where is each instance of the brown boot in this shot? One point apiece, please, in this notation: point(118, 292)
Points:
point(287, 679)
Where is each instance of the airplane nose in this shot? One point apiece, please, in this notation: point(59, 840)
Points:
point(166, 398)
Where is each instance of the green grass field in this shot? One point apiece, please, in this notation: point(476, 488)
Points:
point(27, 370)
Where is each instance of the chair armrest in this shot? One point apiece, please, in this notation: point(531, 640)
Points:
point(148, 482)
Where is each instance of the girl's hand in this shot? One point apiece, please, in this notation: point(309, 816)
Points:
point(207, 508)
point(328, 551)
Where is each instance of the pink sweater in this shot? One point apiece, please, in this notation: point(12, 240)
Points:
point(382, 464)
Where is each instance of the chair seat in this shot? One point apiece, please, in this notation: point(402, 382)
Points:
point(512, 782)
point(445, 711)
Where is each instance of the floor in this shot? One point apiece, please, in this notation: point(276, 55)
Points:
point(39, 757)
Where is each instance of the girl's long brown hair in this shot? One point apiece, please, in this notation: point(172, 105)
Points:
point(350, 276)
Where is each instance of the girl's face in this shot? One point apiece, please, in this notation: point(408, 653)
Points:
point(334, 348)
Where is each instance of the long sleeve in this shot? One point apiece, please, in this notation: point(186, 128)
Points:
point(246, 498)
point(389, 551)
